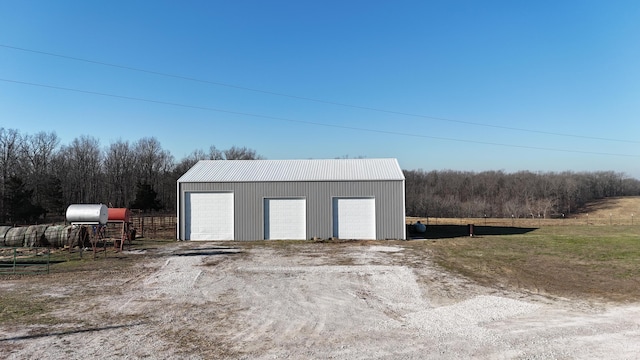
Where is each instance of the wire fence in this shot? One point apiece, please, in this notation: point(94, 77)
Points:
point(576, 220)
point(154, 226)
point(165, 225)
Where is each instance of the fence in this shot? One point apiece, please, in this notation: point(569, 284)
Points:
point(576, 220)
point(22, 260)
point(154, 226)
point(164, 225)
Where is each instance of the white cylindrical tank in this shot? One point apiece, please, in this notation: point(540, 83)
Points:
point(88, 214)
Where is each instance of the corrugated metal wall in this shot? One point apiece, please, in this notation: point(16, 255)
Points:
point(249, 204)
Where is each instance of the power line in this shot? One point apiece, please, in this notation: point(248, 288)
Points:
point(206, 108)
point(317, 100)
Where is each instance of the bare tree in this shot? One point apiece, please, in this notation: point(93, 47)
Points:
point(81, 172)
point(215, 154)
point(188, 161)
point(513, 208)
point(79, 167)
point(39, 151)
point(119, 162)
point(523, 193)
point(241, 153)
point(10, 143)
point(149, 159)
point(153, 163)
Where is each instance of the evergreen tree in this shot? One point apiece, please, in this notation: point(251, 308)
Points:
point(146, 197)
point(18, 202)
point(52, 199)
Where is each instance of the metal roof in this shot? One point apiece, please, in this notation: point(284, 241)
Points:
point(293, 170)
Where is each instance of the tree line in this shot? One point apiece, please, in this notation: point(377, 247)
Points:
point(40, 177)
point(522, 194)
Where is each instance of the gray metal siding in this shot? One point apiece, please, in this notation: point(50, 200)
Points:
point(249, 204)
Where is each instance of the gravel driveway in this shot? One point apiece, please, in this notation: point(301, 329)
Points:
point(315, 301)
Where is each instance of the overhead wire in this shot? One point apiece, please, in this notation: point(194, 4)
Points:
point(206, 108)
point(335, 103)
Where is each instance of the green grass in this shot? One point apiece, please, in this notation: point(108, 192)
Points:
point(21, 307)
point(24, 303)
point(601, 261)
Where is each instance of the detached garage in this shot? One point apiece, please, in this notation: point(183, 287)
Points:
point(291, 199)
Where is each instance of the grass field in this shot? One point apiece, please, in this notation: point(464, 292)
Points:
point(570, 261)
point(595, 253)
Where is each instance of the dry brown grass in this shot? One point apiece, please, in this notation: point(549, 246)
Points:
point(610, 211)
point(577, 262)
point(591, 255)
point(560, 257)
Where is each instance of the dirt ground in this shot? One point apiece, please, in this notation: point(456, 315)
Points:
point(366, 300)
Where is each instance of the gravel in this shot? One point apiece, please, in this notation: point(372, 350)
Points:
point(265, 304)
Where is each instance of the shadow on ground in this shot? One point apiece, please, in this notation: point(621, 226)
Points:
point(453, 231)
point(69, 332)
point(206, 251)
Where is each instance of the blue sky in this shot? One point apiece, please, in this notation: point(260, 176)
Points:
point(462, 85)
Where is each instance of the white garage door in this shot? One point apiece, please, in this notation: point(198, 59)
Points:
point(354, 218)
point(209, 216)
point(285, 219)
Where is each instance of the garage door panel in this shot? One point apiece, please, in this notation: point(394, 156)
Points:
point(209, 216)
point(354, 218)
point(285, 219)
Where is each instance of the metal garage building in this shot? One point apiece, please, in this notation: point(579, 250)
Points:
point(291, 199)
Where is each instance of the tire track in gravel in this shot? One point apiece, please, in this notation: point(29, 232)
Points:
point(199, 303)
point(317, 304)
